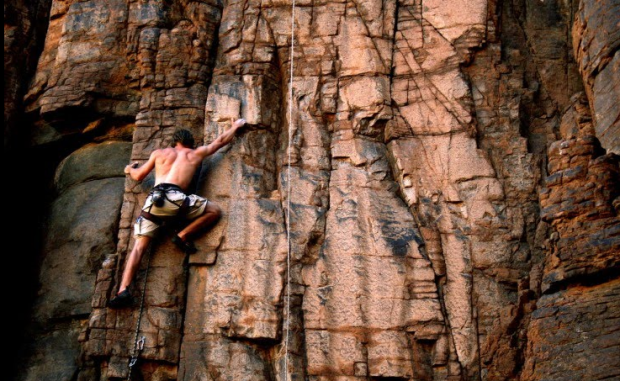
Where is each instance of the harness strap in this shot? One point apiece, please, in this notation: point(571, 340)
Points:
point(166, 187)
point(151, 217)
point(183, 209)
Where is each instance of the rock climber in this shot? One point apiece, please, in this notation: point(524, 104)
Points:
point(174, 170)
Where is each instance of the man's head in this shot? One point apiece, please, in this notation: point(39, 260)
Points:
point(184, 137)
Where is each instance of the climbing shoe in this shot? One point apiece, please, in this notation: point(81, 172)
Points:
point(185, 246)
point(122, 300)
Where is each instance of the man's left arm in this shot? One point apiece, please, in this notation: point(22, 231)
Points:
point(138, 173)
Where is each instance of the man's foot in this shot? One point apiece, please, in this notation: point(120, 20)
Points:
point(186, 246)
point(122, 300)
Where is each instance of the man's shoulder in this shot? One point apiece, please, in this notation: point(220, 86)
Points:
point(163, 151)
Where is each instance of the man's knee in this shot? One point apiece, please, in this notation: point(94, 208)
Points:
point(214, 210)
point(141, 243)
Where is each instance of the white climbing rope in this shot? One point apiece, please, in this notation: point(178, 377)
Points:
point(287, 326)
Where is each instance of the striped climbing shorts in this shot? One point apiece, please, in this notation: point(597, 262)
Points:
point(169, 209)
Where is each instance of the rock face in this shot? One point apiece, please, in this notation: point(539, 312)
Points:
point(578, 325)
point(579, 279)
point(596, 44)
point(82, 220)
point(428, 191)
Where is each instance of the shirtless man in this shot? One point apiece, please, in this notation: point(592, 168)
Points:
point(174, 170)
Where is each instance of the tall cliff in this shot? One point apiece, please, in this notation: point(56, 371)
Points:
point(430, 190)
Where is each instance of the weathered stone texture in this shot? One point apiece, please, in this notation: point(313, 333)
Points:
point(79, 234)
point(382, 211)
point(578, 203)
point(580, 326)
point(596, 43)
point(82, 64)
point(579, 273)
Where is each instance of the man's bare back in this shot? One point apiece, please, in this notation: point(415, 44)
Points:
point(176, 166)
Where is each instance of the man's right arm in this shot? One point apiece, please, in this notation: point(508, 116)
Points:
point(222, 140)
point(139, 173)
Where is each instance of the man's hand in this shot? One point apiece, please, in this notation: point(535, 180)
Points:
point(128, 167)
point(237, 123)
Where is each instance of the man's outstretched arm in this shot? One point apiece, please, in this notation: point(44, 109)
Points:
point(222, 140)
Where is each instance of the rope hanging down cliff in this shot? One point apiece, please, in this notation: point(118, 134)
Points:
point(287, 327)
point(139, 341)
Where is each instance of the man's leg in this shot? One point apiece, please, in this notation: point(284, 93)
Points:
point(123, 298)
point(133, 261)
point(210, 216)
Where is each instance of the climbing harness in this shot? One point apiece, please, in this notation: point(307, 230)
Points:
point(158, 195)
point(288, 198)
point(139, 341)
